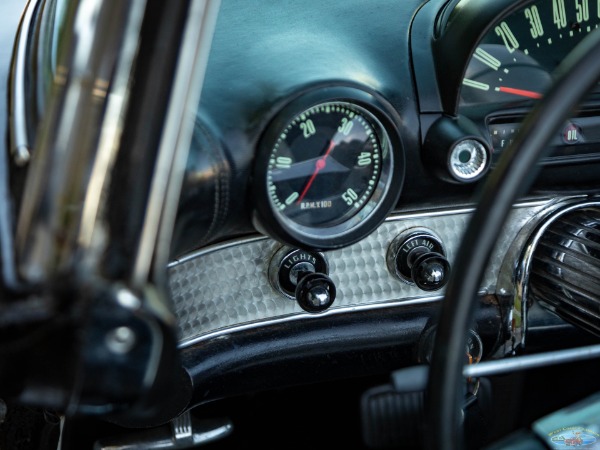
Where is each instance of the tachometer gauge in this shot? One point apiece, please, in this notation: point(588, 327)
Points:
point(515, 59)
point(325, 165)
point(329, 169)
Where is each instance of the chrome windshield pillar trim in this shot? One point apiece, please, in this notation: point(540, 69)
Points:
point(19, 145)
point(81, 133)
point(98, 138)
point(175, 142)
point(78, 135)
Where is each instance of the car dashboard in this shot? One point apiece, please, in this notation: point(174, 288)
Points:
point(426, 96)
point(337, 155)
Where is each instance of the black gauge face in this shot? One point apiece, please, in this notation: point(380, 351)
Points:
point(329, 169)
point(325, 165)
point(516, 58)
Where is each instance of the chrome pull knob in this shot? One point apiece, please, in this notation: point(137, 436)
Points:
point(302, 275)
point(417, 257)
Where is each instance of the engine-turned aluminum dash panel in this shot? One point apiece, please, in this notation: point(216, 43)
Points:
point(227, 286)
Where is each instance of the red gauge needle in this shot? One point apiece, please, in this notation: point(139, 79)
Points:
point(521, 92)
point(319, 165)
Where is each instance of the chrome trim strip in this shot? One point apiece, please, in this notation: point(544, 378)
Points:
point(392, 218)
point(447, 212)
point(18, 140)
point(297, 317)
point(216, 248)
point(518, 363)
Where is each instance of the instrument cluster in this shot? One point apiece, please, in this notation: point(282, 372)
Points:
point(516, 58)
point(330, 166)
point(513, 66)
point(317, 148)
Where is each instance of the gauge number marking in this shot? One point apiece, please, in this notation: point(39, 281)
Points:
point(533, 15)
point(487, 59)
point(507, 36)
point(559, 13)
point(583, 10)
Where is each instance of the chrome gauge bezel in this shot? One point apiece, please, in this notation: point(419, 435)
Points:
point(365, 202)
point(382, 119)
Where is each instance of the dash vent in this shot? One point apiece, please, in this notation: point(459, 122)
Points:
point(565, 270)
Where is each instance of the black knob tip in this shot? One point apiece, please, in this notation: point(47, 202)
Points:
point(315, 292)
point(430, 271)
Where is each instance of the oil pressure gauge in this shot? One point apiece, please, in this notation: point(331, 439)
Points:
point(329, 169)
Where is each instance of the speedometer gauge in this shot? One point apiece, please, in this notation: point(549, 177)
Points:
point(329, 169)
point(515, 59)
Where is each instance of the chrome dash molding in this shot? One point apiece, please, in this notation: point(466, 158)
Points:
point(225, 288)
point(522, 273)
point(297, 317)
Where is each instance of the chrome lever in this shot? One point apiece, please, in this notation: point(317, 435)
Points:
point(184, 433)
point(181, 427)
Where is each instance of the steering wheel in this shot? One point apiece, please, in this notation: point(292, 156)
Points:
point(514, 173)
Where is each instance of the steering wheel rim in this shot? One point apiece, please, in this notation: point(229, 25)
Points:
point(513, 175)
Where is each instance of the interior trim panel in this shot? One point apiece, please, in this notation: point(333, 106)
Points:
point(224, 287)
